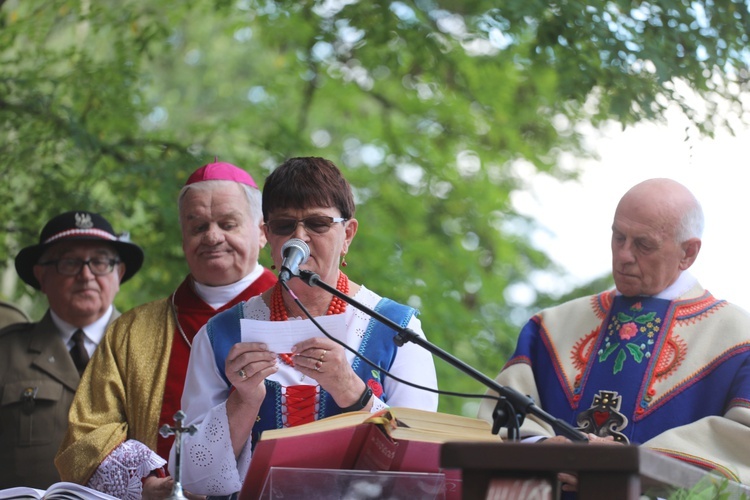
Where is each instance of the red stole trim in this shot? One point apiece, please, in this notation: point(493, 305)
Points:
point(193, 313)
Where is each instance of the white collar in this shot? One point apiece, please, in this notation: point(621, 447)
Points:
point(218, 296)
point(93, 333)
point(684, 282)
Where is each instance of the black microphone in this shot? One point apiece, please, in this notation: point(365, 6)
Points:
point(295, 253)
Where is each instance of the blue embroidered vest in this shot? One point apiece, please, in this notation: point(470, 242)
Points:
point(377, 345)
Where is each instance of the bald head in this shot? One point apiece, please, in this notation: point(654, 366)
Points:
point(669, 202)
point(655, 236)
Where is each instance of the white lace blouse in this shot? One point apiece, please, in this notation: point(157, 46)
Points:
point(209, 464)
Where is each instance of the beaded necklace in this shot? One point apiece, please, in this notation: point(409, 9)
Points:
point(279, 312)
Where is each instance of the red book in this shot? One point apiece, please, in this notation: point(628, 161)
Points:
point(397, 439)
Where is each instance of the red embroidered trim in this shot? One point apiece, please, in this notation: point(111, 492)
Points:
point(602, 303)
point(701, 462)
point(671, 357)
point(692, 312)
point(583, 348)
point(674, 350)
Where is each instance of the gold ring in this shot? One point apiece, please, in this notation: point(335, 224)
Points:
point(242, 374)
point(322, 355)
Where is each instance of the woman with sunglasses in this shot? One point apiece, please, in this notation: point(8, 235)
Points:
point(235, 390)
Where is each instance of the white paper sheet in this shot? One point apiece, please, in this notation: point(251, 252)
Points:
point(280, 336)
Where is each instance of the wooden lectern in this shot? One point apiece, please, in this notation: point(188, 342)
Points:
point(613, 472)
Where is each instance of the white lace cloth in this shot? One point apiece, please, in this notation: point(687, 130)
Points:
point(121, 473)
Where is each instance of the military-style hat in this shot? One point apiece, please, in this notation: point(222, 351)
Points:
point(78, 225)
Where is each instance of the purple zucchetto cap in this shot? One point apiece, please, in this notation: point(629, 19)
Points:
point(221, 172)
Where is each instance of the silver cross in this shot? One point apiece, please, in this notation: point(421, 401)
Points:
point(178, 430)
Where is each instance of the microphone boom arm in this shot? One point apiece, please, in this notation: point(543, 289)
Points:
point(521, 404)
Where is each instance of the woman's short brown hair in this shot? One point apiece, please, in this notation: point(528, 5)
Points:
point(307, 182)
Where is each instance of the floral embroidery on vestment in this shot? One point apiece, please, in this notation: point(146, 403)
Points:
point(630, 334)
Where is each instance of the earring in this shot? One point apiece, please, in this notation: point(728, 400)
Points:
point(273, 267)
point(343, 261)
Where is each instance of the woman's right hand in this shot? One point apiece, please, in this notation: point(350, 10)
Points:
point(246, 367)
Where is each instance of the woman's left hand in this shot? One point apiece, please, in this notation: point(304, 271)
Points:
point(325, 361)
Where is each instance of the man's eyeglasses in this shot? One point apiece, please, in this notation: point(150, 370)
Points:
point(71, 267)
point(317, 224)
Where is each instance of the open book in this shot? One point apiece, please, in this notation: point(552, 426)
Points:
point(395, 439)
point(58, 491)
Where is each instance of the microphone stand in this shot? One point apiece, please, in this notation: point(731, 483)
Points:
point(512, 406)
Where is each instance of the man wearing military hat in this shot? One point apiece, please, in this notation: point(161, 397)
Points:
point(78, 265)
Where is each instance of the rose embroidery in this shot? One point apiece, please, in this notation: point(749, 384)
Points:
point(377, 389)
point(374, 383)
point(628, 331)
point(630, 334)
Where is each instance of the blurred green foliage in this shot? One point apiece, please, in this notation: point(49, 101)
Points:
point(437, 112)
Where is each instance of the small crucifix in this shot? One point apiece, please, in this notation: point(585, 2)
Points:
point(178, 430)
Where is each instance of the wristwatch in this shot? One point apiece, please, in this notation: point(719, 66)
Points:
point(361, 402)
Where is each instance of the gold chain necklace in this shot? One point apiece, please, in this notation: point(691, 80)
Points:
point(177, 320)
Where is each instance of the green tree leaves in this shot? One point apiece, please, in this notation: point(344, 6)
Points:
point(435, 111)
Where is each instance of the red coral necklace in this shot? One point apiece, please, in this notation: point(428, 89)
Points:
point(279, 312)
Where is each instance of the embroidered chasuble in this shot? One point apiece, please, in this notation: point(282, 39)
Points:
point(623, 349)
point(671, 375)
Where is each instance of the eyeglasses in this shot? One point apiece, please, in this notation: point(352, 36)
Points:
point(317, 224)
point(71, 267)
